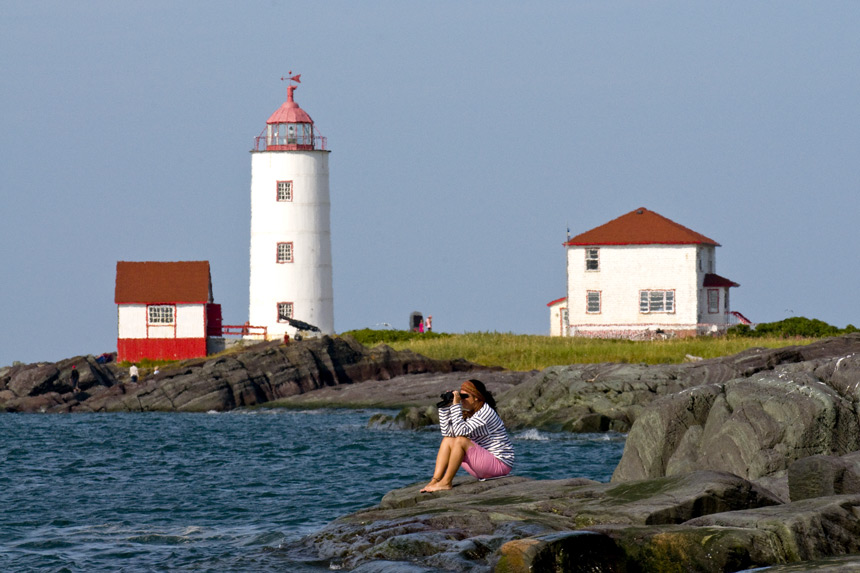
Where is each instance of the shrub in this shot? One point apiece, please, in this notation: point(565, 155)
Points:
point(796, 326)
point(370, 337)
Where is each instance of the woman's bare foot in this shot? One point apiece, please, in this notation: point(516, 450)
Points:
point(433, 482)
point(438, 486)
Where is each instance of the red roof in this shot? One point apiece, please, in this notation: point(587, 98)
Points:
point(163, 282)
point(556, 301)
point(714, 280)
point(641, 227)
point(290, 112)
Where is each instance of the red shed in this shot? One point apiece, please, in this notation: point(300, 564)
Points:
point(165, 310)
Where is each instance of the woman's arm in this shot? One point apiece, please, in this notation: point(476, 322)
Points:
point(475, 425)
point(445, 417)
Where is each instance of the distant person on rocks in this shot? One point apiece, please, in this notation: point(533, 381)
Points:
point(75, 376)
point(474, 436)
point(133, 373)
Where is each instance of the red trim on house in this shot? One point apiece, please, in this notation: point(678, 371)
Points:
point(136, 349)
point(214, 321)
point(556, 301)
point(715, 280)
point(741, 318)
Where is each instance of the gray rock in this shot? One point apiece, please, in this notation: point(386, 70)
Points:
point(804, 530)
point(583, 397)
point(753, 427)
point(257, 375)
point(466, 528)
point(821, 475)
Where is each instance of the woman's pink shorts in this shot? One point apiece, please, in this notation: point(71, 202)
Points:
point(482, 464)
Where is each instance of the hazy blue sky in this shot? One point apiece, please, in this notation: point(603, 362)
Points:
point(466, 137)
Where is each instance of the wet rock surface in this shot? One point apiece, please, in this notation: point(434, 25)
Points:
point(700, 521)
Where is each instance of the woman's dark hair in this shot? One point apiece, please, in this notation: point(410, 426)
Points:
point(485, 394)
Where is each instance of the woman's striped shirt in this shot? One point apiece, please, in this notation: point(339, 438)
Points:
point(484, 427)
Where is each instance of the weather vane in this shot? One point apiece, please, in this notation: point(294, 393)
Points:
point(293, 78)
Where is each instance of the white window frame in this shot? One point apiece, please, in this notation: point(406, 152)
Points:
point(593, 302)
point(161, 314)
point(713, 301)
point(655, 301)
point(285, 253)
point(592, 259)
point(284, 191)
point(290, 314)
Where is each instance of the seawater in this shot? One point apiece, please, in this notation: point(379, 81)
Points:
point(221, 491)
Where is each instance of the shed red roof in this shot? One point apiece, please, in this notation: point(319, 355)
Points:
point(163, 282)
point(715, 280)
point(641, 227)
point(556, 301)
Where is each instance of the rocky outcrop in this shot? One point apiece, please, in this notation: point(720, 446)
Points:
point(700, 521)
point(601, 397)
point(754, 427)
point(257, 375)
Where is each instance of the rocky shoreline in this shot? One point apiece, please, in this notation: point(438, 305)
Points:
point(746, 461)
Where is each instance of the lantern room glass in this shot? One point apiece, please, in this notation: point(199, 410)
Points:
point(290, 134)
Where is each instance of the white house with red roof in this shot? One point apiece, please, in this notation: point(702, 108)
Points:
point(165, 310)
point(640, 275)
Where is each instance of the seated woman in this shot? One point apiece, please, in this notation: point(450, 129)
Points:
point(474, 437)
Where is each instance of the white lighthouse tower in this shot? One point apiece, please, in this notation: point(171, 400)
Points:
point(291, 273)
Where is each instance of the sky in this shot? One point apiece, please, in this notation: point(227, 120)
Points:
point(466, 138)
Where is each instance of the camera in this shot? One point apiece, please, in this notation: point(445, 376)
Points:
point(447, 398)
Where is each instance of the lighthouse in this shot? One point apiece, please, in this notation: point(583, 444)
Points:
point(291, 271)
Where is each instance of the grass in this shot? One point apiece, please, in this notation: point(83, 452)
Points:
point(530, 352)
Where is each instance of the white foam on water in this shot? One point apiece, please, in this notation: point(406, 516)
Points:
point(532, 434)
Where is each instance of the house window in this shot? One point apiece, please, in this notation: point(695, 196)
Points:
point(713, 301)
point(592, 259)
point(285, 311)
point(285, 190)
point(160, 314)
point(592, 302)
point(656, 301)
point(285, 252)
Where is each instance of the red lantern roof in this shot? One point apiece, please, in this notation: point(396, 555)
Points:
point(290, 112)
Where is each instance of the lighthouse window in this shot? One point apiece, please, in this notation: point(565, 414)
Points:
point(160, 314)
point(285, 252)
point(285, 311)
point(285, 190)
